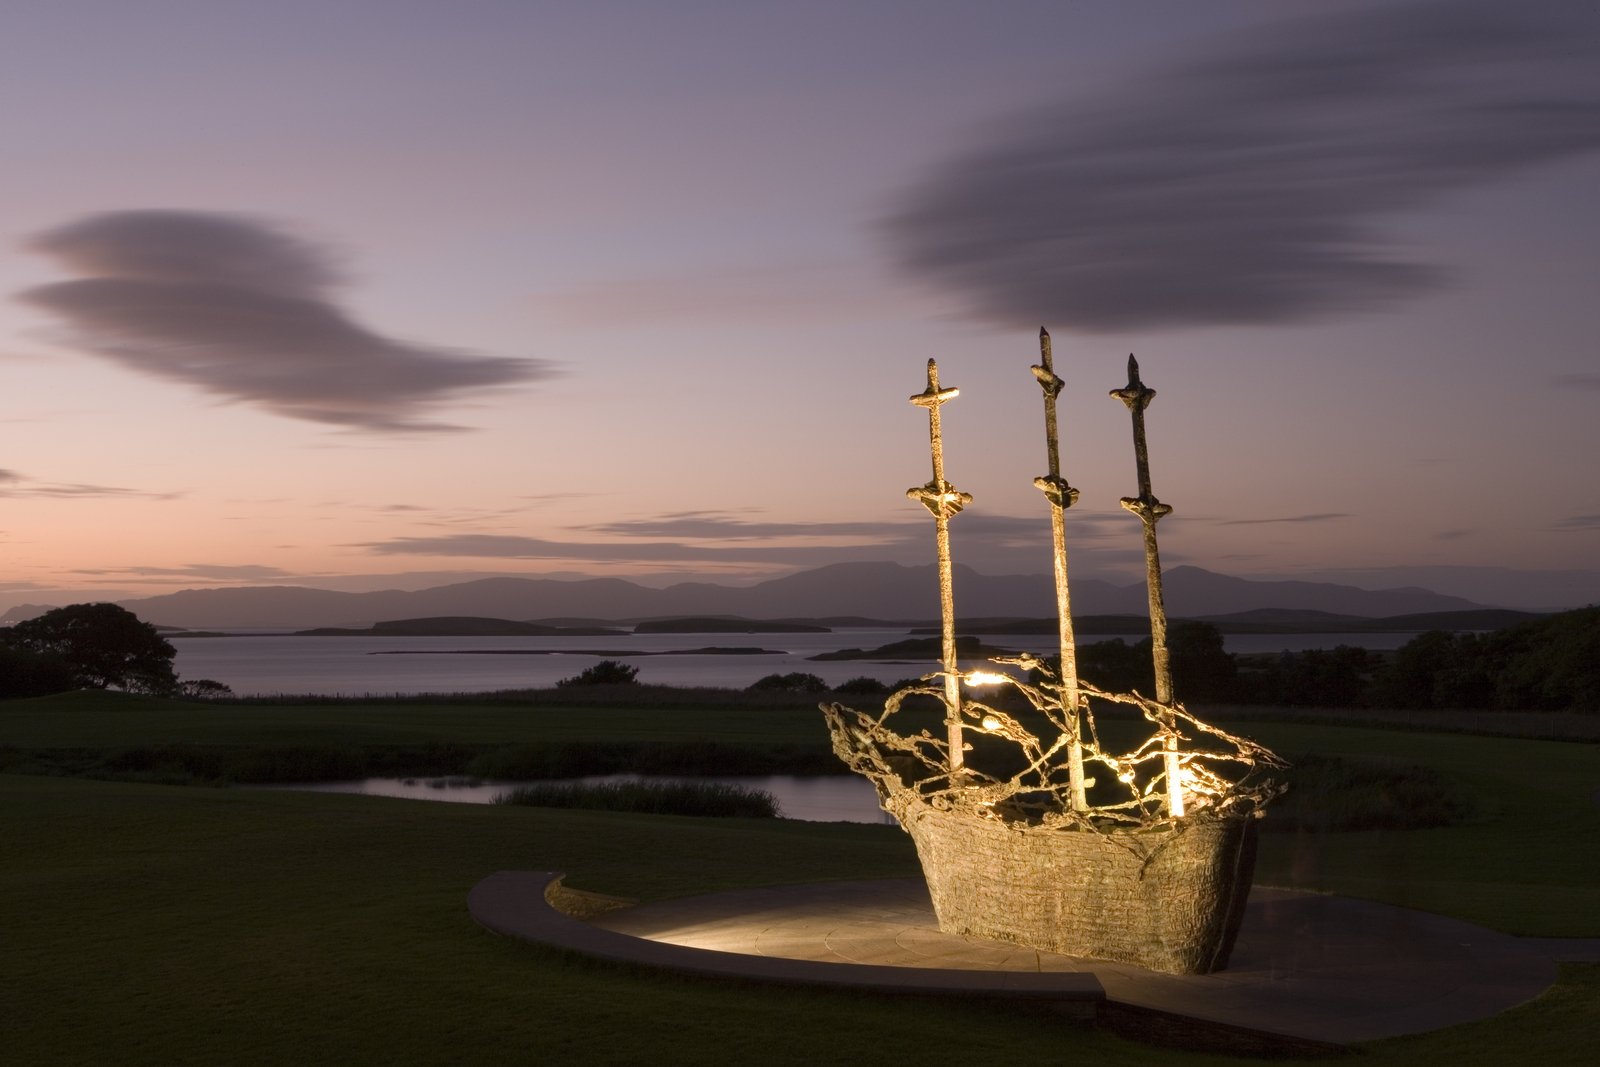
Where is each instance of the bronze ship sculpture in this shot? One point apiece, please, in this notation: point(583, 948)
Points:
point(1031, 825)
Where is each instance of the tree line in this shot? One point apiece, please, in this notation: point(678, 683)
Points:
point(1550, 664)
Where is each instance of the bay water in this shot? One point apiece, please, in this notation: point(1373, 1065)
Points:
point(266, 664)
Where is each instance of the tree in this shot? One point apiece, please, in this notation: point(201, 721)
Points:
point(1202, 671)
point(1437, 670)
point(1551, 663)
point(606, 672)
point(1328, 678)
point(30, 674)
point(102, 647)
point(1114, 665)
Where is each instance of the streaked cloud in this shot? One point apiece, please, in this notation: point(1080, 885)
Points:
point(1576, 381)
point(508, 546)
point(247, 572)
point(244, 311)
point(13, 484)
point(19, 586)
point(1253, 184)
point(730, 538)
point(1578, 524)
point(724, 525)
point(1321, 516)
point(728, 526)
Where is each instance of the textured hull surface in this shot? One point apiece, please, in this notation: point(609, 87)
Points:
point(1169, 901)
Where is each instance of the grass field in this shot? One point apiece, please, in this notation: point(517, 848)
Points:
point(115, 720)
point(153, 924)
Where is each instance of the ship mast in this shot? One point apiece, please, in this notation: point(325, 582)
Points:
point(1062, 496)
point(943, 500)
point(1137, 396)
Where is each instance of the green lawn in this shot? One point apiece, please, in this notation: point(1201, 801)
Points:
point(115, 720)
point(1526, 863)
point(1520, 865)
point(173, 925)
point(152, 924)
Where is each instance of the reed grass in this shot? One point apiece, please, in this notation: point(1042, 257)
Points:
point(716, 799)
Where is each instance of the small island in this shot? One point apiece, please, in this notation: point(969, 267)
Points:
point(916, 649)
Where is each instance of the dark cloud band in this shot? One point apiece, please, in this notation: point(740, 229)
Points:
point(1252, 186)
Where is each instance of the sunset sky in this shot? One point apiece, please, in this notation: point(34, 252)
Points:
point(370, 294)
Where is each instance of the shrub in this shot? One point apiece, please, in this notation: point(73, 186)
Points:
point(863, 686)
point(1335, 794)
point(203, 689)
point(798, 682)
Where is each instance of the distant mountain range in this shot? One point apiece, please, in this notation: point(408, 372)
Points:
point(885, 591)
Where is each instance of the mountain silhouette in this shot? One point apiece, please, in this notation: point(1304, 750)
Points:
point(886, 591)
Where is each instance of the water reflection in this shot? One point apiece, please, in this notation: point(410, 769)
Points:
point(830, 798)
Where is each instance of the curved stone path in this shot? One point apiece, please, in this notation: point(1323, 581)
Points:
point(1307, 966)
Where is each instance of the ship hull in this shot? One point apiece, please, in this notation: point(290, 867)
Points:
point(1165, 899)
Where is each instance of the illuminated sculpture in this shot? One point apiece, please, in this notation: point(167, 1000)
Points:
point(1146, 860)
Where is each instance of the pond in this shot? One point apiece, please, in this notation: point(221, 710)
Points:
point(817, 798)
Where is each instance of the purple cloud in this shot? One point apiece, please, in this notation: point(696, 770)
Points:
point(242, 310)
